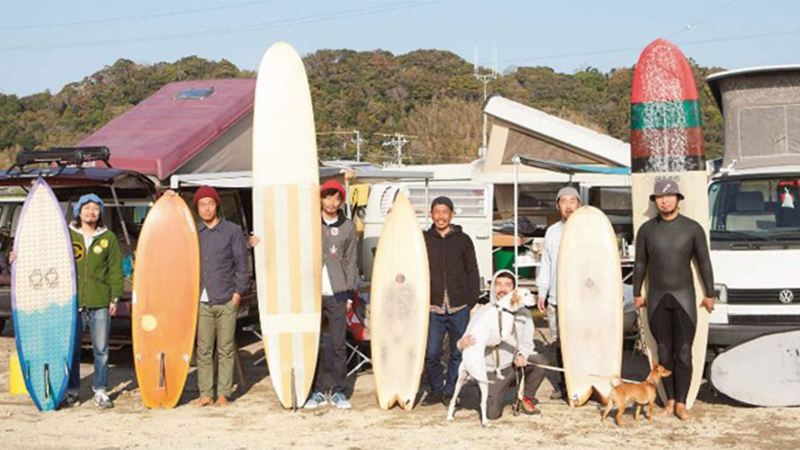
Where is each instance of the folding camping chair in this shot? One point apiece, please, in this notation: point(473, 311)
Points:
point(358, 332)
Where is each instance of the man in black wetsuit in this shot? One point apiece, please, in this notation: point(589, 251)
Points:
point(665, 246)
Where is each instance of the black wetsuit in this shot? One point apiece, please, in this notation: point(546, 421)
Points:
point(664, 252)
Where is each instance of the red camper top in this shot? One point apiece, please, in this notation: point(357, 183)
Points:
point(167, 129)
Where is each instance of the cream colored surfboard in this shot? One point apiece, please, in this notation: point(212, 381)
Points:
point(694, 185)
point(399, 308)
point(589, 304)
point(286, 215)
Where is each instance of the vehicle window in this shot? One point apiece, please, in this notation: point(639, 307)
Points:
point(468, 201)
point(758, 209)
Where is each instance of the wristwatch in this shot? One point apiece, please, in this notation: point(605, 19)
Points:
point(114, 301)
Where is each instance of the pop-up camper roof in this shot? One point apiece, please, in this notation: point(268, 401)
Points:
point(761, 107)
point(558, 146)
point(185, 126)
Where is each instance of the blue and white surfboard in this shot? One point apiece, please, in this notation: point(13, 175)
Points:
point(44, 297)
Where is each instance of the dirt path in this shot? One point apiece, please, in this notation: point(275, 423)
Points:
point(255, 420)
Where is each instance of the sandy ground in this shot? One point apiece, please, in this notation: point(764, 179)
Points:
point(255, 419)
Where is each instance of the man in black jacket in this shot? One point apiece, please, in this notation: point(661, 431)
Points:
point(455, 286)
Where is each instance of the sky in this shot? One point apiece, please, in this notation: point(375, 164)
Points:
point(46, 44)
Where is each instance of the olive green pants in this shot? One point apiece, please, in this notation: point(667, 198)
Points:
point(216, 323)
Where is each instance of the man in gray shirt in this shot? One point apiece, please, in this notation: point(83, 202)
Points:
point(224, 279)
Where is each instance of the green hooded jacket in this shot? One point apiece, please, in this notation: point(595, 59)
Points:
point(98, 268)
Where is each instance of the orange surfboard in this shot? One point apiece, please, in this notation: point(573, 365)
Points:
point(166, 292)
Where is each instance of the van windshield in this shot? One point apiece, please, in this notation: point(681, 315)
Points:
point(762, 209)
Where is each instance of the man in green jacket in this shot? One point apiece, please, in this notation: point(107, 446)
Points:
point(98, 264)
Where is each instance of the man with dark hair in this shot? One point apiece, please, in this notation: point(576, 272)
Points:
point(339, 279)
point(510, 358)
point(665, 247)
point(224, 279)
point(455, 286)
point(98, 261)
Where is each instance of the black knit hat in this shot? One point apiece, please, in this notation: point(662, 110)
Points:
point(442, 200)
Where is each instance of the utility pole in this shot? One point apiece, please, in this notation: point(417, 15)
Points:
point(397, 141)
point(358, 141)
point(485, 79)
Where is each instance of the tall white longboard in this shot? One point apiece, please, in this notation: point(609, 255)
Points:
point(286, 215)
point(589, 304)
point(399, 307)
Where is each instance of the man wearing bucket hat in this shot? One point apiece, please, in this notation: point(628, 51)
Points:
point(665, 247)
point(567, 201)
point(224, 279)
point(98, 262)
point(339, 279)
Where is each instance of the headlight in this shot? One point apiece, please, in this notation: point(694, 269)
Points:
point(721, 292)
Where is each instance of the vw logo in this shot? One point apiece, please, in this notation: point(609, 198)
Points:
point(786, 296)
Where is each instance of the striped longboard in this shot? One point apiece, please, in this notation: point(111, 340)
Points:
point(667, 142)
point(286, 215)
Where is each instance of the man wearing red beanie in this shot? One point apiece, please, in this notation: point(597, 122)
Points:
point(339, 279)
point(223, 280)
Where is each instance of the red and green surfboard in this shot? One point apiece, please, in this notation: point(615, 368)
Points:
point(666, 122)
point(667, 142)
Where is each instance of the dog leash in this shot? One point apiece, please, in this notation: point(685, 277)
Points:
point(608, 377)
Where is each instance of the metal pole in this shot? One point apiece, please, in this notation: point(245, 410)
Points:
point(358, 145)
point(516, 162)
point(427, 205)
point(121, 218)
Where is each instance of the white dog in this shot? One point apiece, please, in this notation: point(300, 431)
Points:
point(489, 325)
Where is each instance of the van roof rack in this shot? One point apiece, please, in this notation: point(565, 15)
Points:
point(62, 157)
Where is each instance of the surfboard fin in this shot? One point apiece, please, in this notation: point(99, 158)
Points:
point(294, 393)
point(162, 370)
point(47, 381)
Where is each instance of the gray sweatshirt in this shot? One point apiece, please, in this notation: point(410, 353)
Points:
point(546, 276)
point(339, 244)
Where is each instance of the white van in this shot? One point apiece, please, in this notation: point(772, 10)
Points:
point(473, 204)
point(754, 202)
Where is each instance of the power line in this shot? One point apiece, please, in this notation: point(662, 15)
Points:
point(715, 12)
point(303, 20)
point(627, 49)
point(133, 18)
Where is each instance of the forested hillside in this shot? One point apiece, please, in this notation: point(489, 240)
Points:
point(429, 95)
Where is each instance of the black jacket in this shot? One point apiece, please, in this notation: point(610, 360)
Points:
point(453, 266)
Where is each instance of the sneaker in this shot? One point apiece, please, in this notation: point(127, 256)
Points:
point(340, 401)
point(316, 400)
point(71, 398)
point(433, 398)
point(102, 400)
point(528, 406)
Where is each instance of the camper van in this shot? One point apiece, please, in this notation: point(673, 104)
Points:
point(472, 201)
point(754, 201)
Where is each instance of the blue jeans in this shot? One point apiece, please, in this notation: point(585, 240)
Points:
point(454, 325)
point(98, 321)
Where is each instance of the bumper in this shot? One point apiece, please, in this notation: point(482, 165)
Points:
point(727, 335)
